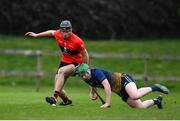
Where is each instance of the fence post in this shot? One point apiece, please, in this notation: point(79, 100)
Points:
point(145, 69)
point(39, 71)
point(91, 61)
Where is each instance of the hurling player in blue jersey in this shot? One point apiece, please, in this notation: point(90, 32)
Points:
point(123, 85)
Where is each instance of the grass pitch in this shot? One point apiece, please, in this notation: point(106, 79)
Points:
point(22, 102)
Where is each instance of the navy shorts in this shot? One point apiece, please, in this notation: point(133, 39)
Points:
point(126, 78)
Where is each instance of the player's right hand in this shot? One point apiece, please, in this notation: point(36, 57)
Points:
point(106, 105)
point(31, 34)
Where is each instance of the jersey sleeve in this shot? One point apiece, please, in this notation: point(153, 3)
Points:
point(99, 75)
point(56, 34)
point(81, 45)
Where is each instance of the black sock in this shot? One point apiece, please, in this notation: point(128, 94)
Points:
point(63, 96)
point(155, 101)
point(154, 88)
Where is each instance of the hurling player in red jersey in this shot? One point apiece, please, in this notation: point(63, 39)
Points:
point(73, 54)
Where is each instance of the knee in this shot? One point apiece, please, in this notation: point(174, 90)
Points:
point(60, 73)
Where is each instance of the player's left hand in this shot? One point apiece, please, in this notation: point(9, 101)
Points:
point(93, 96)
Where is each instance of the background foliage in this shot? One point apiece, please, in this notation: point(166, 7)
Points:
point(95, 18)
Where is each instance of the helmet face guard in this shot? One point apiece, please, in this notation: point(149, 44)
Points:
point(65, 26)
point(66, 29)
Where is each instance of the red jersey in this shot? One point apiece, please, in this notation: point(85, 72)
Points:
point(70, 48)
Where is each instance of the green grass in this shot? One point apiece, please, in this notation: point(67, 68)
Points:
point(22, 102)
point(154, 46)
point(136, 66)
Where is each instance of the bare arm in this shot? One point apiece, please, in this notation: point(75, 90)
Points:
point(85, 56)
point(92, 94)
point(48, 33)
point(107, 89)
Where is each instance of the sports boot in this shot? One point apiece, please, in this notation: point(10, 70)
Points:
point(158, 102)
point(68, 102)
point(51, 100)
point(161, 88)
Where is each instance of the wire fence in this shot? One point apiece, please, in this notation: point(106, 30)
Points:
point(146, 58)
point(39, 72)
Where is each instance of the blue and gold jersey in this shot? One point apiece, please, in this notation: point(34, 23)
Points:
point(98, 75)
